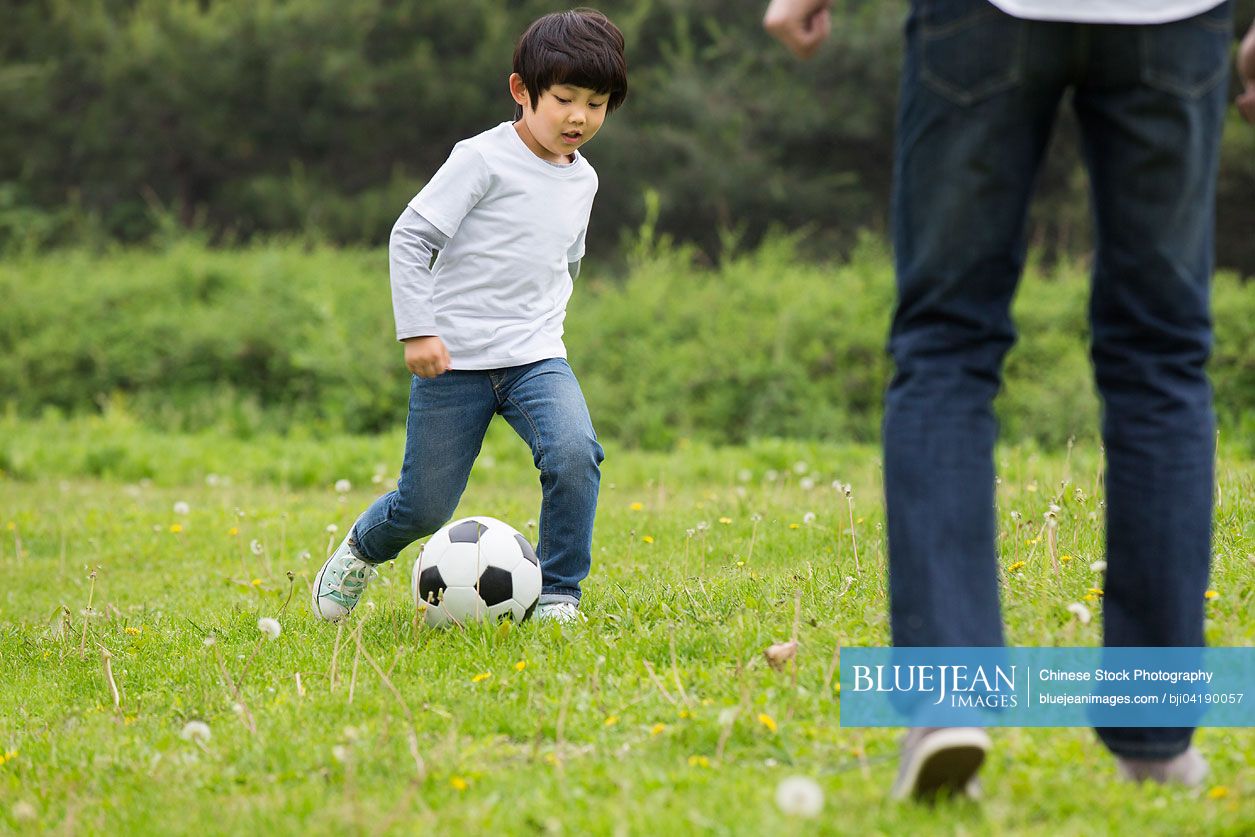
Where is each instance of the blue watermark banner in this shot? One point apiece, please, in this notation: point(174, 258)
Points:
point(1048, 687)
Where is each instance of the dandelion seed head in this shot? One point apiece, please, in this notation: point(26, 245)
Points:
point(744, 475)
point(800, 467)
point(1080, 611)
point(1098, 566)
point(332, 528)
point(340, 753)
point(807, 483)
point(270, 627)
point(343, 486)
point(196, 731)
point(209, 640)
point(772, 475)
point(809, 517)
point(23, 810)
point(799, 796)
point(255, 547)
point(182, 508)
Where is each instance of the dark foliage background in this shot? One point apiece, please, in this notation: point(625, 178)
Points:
point(320, 118)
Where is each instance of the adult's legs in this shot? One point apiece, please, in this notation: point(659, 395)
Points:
point(1151, 108)
point(545, 406)
point(979, 94)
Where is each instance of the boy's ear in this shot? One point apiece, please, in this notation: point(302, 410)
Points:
point(518, 90)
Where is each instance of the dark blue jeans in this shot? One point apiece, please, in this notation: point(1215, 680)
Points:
point(448, 418)
point(980, 91)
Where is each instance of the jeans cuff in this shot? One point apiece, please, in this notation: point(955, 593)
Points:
point(555, 596)
point(1145, 750)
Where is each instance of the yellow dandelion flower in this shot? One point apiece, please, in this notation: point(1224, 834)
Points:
point(257, 582)
point(657, 729)
point(1218, 792)
point(132, 631)
point(1210, 594)
point(1090, 597)
point(1032, 541)
point(1031, 487)
point(648, 539)
point(611, 720)
point(459, 784)
point(551, 758)
point(1018, 565)
point(740, 563)
point(176, 527)
point(636, 506)
point(859, 520)
point(8, 756)
point(725, 520)
point(233, 531)
point(1097, 591)
point(795, 525)
point(837, 688)
point(684, 713)
point(11, 526)
point(699, 761)
point(1065, 558)
point(127, 720)
point(520, 665)
point(767, 721)
point(481, 677)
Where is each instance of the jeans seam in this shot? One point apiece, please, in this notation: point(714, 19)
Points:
point(540, 458)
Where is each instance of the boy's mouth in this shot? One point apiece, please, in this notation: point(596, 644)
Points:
point(572, 136)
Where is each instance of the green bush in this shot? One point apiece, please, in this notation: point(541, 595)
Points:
point(299, 339)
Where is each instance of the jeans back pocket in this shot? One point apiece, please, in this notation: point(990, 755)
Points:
point(969, 49)
point(1189, 57)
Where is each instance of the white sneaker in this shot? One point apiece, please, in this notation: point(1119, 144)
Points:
point(561, 612)
point(340, 583)
point(940, 761)
point(1188, 769)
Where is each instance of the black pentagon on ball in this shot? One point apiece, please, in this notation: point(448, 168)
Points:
point(431, 586)
point(495, 586)
point(529, 610)
point(468, 531)
point(526, 549)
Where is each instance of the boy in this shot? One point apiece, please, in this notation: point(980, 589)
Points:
point(482, 326)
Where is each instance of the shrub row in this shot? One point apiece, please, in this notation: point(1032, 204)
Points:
point(765, 345)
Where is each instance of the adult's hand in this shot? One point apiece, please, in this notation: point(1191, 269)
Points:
point(801, 25)
point(1246, 72)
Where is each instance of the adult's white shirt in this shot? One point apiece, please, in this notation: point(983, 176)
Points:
point(499, 289)
point(1106, 11)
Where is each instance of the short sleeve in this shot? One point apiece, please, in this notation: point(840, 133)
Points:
point(453, 190)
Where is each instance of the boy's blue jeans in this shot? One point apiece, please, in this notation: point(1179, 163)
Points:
point(448, 417)
point(979, 94)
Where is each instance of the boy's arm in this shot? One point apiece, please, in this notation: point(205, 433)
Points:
point(411, 250)
point(576, 253)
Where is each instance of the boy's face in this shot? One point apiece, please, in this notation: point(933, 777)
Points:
point(565, 117)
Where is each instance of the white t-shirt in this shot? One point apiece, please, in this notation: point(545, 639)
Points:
point(1106, 11)
point(501, 285)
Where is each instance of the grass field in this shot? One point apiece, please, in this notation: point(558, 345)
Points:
point(658, 716)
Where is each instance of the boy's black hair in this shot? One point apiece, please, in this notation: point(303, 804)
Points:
point(580, 47)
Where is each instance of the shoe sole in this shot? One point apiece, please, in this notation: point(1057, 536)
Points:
point(944, 763)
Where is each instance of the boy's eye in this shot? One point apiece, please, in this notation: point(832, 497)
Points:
point(596, 104)
point(562, 100)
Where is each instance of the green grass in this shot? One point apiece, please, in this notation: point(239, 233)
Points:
point(658, 716)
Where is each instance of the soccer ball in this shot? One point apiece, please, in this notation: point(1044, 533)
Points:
point(476, 568)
